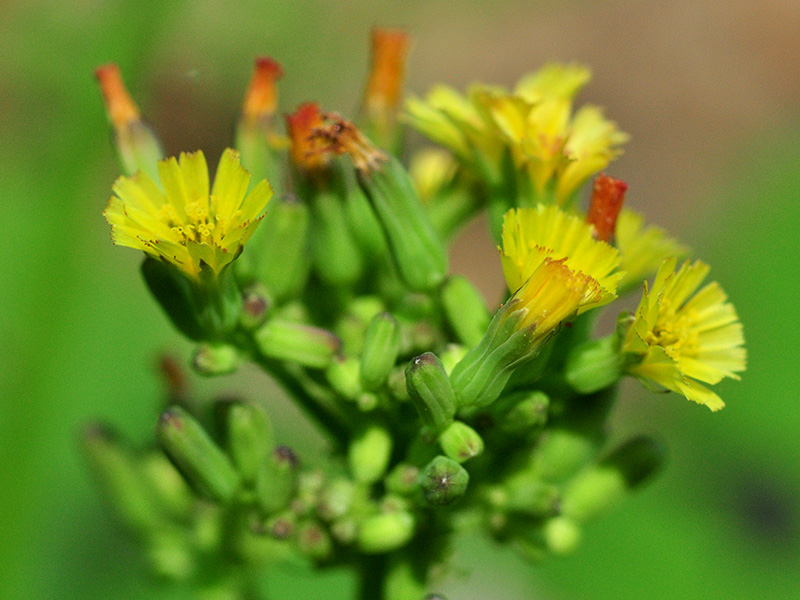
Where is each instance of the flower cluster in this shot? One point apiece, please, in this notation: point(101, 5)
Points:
point(440, 412)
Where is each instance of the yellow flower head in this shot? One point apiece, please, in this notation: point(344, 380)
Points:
point(684, 338)
point(532, 235)
point(184, 223)
point(642, 249)
point(551, 294)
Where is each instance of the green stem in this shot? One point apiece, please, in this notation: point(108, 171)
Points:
point(373, 577)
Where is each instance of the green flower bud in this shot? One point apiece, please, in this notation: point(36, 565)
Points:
point(344, 376)
point(561, 453)
point(121, 480)
point(170, 556)
point(197, 456)
point(336, 499)
point(385, 532)
point(522, 413)
point(215, 359)
point(369, 454)
point(599, 488)
point(277, 480)
point(281, 248)
point(364, 224)
point(167, 485)
point(402, 479)
point(452, 355)
point(430, 390)
point(296, 342)
point(465, 310)
point(202, 309)
point(460, 442)
point(314, 541)
point(443, 480)
point(255, 306)
point(594, 365)
point(250, 437)
point(381, 347)
point(562, 535)
point(524, 493)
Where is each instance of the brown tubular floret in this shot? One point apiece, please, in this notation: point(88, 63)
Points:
point(121, 108)
point(387, 72)
point(339, 136)
point(608, 195)
point(261, 99)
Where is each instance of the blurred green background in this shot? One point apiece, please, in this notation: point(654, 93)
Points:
point(709, 93)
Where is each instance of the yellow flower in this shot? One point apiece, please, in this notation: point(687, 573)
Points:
point(185, 224)
point(532, 235)
point(683, 338)
point(552, 293)
point(642, 249)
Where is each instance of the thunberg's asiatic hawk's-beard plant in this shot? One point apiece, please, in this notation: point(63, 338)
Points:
point(316, 253)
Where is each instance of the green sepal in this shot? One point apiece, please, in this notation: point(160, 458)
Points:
point(203, 309)
point(139, 148)
point(303, 344)
point(465, 310)
point(381, 347)
point(417, 252)
point(197, 456)
point(363, 222)
point(430, 391)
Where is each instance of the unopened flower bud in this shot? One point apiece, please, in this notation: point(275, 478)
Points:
point(369, 454)
point(385, 532)
point(255, 306)
point(595, 365)
point(381, 347)
point(314, 541)
point(196, 455)
point(402, 479)
point(277, 480)
point(295, 342)
point(443, 481)
point(562, 535)
point(430, 390)
point(461, 442)
point(215, 359)
point(250, 437)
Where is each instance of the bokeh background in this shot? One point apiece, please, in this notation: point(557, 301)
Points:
point(709, 92)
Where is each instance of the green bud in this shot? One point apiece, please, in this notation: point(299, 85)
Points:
point(594, 365)
point(167, 485)
point(207, 526)
point(281, 248)
point(479, 378)
point(416, 250)
point(215, 359)
point(369, 454)
point(529, 495)
point(255, 307)
point(443, 481)
point(452, 355)
point(336, 256)
point(345, 530)
point(460, 442)
point(385, 532)
point(363, 223)
point(197, 456)
point(522, 413)
point(314, 541)
point(430, 390)
point(599, 488)
point(561, 453)
point(296, 342)
point(562, 535)
point(335, 499)
point(381, 347)
point(402, 479)
point(465, 310)
point(170, 556)
point(121, 480)
point(276, 480)
point(250, 437)
point(344, 376)
point(404, 581)
point(207, 308)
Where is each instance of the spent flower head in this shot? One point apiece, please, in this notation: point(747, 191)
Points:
point(679, 338)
